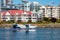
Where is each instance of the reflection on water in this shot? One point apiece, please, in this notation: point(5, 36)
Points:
point(39, 34)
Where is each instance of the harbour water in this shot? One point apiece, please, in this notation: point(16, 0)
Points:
point(39, 34)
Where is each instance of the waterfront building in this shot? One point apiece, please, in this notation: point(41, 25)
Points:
point(20, 15)
point(40, 15)
point(51, 11)
point(25, 17)
point(34, 16)
point(58, 11)
point(16, 15)
point(43, 9)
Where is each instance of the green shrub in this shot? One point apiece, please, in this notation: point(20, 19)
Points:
point(46, 19)
point(58, 21)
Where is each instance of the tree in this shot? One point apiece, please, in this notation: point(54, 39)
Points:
point(46, 19)
point(53, 20)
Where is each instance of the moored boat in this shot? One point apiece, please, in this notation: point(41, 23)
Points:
point(26, 27)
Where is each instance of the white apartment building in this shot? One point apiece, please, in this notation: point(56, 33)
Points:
point(25, 17)
point(58, 11)
point(40, 15)
point(35, 6)
point(25, 6)
point(50, 11)
point(43, 9)
point(34, 16)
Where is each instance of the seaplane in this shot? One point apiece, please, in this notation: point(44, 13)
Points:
point(24, 27)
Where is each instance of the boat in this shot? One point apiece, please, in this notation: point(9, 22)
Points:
point(23, 26)
point(26, 27)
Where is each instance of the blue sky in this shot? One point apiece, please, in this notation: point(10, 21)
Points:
point(43, 2)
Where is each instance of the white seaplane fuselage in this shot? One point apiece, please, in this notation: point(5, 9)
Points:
point(24, 26)
point(29, 28)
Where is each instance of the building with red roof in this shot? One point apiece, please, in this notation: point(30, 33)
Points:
point(20, 15)
point(17, 15)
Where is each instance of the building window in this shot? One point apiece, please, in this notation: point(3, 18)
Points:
point(11, 18)
point(13, 6)
point(4, 18)
point(34, 18)
point(27, 18)
point(34, 14)
point(19, 18)
point(8, 6)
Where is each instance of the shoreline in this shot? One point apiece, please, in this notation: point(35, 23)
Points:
point(49, 25)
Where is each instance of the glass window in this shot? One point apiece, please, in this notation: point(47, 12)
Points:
point(19, 18)
point(34, 14)
point(8, 6)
